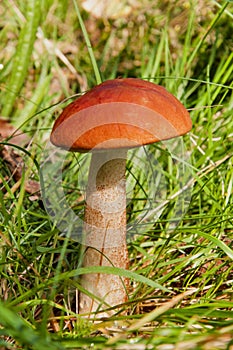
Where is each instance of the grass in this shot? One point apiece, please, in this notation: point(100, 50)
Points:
point(180, 259)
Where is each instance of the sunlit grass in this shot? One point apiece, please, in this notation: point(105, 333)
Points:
point(181, 276)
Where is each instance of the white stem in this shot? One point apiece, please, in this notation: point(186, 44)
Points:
point(105, 229)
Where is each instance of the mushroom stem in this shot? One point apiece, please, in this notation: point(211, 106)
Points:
point(105, 231)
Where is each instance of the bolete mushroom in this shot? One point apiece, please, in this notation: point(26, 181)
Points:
point(108, 120)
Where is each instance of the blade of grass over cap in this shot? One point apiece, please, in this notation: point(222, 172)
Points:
point(88, 43)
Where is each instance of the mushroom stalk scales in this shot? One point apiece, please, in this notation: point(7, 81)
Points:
point(105, 230)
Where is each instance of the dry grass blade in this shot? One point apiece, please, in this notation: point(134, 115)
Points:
point(160, 310)
point(137, 325)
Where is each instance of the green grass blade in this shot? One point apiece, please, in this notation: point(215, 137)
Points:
point(201, 41)
point(227, 250)
point(88, 44)
point(32, 105)
point(16, 327)
point(22, 55)
point(88, 270)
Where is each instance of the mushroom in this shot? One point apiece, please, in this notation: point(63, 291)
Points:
point(111, 118)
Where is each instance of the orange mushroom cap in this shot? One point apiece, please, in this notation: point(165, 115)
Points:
point(120, 113)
